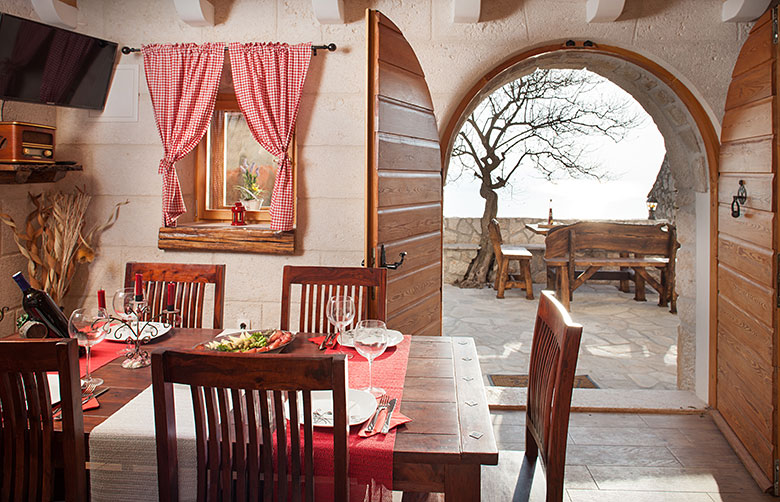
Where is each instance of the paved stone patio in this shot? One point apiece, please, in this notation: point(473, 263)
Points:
point(625, 344)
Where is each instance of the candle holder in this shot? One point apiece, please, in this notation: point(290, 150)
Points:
point(130, 314)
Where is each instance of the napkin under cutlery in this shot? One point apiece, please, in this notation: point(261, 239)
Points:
point(396, 419)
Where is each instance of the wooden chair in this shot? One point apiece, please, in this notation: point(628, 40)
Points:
point(27, 424)
point(318, 284)
point(232, 396)
point(556, 343)
point(505, 253)
point(190, 280)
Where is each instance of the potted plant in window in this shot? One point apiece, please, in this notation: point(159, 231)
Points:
point(252, 196)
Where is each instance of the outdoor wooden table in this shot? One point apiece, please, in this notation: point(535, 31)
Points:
point(539, 228)
point(441, 450)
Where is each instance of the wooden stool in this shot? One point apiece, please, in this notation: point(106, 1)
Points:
point(504, 254)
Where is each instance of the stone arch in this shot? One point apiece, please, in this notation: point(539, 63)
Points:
point(692, 148)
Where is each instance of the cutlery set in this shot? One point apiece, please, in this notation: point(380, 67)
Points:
point(87, 393)
point(385, 403)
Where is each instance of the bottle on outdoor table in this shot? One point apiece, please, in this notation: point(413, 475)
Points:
point(549, 215)
point(39, 305)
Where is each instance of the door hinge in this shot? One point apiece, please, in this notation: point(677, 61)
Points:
point(776, 486)
point(774, 25)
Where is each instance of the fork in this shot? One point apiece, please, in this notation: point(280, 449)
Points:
point(384, 402)
point(86, 395)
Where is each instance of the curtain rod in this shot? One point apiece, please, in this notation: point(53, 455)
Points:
point(314, 48)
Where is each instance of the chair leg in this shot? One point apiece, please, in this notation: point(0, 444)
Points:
point(525, 266)
point(565, 296)
point(663, 296)
point(639, 291)
point(502, 270)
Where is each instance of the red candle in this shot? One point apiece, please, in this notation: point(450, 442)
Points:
point(102, 299)
point(171, 295)
point(139, 290)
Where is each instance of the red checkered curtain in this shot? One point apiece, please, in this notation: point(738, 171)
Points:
point(268, 79)
point(183, 80)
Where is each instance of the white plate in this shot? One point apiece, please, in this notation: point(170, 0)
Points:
point(121, 333)
point(361, 406)
point(393, 338)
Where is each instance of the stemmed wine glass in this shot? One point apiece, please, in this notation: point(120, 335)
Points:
point(123, 303)
point(340, 311)
point(371, 342)
point(89, 327)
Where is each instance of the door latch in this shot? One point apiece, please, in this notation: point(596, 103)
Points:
point(383, 259)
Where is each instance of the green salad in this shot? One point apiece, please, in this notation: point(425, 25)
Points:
point(254, 341)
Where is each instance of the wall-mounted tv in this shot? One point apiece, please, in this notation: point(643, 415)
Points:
point(44, 64)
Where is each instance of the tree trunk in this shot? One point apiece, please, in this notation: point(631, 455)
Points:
point(477, 274)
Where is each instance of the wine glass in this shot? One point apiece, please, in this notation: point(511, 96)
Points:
point(123, 301)
point(371, 342)
point(88, 326)
point(340, 311)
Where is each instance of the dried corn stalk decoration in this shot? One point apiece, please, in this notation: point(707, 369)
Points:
point(54, 241)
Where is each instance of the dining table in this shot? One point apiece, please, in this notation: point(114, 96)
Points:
point(442, 448)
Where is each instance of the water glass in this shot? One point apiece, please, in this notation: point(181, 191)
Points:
point(88, 326)
point(340, 311)
point(371, 342)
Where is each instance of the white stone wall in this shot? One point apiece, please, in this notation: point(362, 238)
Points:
point(120, 159)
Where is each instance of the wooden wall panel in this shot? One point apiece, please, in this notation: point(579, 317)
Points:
point(746, 329)
point(757, 49)
point(754, 85)
point(397, 224)
point(749, 121)
point(751, 156)
point(397, 188)
point(403, 290)
point(747, 372)
point(396, 51)
point(756, 227)
point(412, 154)
point(750, 260)
point(403, 85)
point(749, 296)
point(759, 187)
point(422, 250)
point(404, 120)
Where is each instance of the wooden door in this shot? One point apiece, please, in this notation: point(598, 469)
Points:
point(747, 348)
point(404, 185)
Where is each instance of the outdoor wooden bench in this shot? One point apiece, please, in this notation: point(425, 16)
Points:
point(577, 253)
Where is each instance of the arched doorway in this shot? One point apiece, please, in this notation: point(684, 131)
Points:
point(692, 148)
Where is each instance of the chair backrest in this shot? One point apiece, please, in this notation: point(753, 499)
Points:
point(190, 280)
point(318, 284)
point(237, 402)
point(611, 237)
point(495, 236)
point(27, 424)
point(554, 349)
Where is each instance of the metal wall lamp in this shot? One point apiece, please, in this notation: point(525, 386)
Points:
point(739, 199)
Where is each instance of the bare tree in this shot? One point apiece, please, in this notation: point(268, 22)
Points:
point(538, 122)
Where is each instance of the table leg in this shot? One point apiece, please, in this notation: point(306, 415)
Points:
point(462, 483)
point(639, 290)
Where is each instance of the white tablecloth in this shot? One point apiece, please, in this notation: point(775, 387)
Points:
point(123, 453)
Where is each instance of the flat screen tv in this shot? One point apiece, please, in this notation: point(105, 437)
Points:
point(44, 64)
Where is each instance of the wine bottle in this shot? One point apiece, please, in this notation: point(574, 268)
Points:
point(549, 215)
point(41, 307)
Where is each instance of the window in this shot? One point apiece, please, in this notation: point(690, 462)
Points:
point(232, 167)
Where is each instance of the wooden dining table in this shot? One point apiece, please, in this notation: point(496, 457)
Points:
point(441, 450)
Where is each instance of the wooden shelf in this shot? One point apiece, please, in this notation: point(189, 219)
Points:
point(35, 173)
point(223, 237)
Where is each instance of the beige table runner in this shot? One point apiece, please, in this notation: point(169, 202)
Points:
point(123, 453)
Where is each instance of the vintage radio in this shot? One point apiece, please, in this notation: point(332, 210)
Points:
point(21, 143)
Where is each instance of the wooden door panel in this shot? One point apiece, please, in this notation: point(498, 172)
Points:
point(751, 156)
point(745, 329)
point(413, 154)
point(404, 193)
point(404, 120)
point(422, 318)
point(403, 290)
point(747, 373)
point(751, 260)
point(757, 49)
point(403, 85)
point(753, 85)
point(749, 296)
point(755, 227)
point(397, 188)
point(749, 121)
point(758, 186)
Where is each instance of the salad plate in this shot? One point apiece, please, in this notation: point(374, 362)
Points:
point(394, 337)
point(250, 342)
point(121, 333)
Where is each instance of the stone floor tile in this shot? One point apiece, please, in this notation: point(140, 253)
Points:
point(623, 436)
point(634, 496)
point(639, 456)
point(671, 479)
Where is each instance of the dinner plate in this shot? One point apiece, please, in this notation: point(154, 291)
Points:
point(393, 338)
point(361, 406)
point(121, 333)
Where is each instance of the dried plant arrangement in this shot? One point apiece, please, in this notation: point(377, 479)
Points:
point(54, 240)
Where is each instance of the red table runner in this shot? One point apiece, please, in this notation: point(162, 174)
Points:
point(370, 459)
point(102, 354)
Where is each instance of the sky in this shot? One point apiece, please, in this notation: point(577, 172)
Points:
point(632, 166)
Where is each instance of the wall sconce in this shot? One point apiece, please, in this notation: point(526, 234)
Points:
point(739, 199)
point(652, 205)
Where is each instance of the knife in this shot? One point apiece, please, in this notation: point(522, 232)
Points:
point(390, 408)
